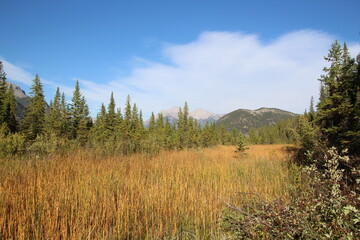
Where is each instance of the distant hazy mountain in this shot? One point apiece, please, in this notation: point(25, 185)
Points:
point(22, 100)
point(201, 115)
point(171, 114)
point(244, 119)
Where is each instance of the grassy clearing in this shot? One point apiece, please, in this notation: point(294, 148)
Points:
point(173, 195)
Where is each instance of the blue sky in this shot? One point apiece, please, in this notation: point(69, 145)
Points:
point(217, 55)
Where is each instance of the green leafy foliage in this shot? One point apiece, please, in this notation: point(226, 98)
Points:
point(320, 208)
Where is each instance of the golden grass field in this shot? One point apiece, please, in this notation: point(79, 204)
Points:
point(173, 195)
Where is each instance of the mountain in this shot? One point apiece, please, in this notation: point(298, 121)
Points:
point(171, 114)
point(201, 115)
point(22, 100)
point(244, 119)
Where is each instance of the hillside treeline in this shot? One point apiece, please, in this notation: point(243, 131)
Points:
point(62, 126)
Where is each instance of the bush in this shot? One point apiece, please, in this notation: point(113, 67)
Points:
point(241, 146)
point(326, 208)
point(12, 144)
point(50, 144)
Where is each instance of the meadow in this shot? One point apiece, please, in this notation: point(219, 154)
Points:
point(170, 195)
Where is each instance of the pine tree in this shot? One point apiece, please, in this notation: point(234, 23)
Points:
point(170, 135)
point(240, 146)
point(7, 104)
point(141, 123)
point(311, 114)
point(336, 114)
point(183, 126)
point(111, 115)
point(76, 111)
point(85, 122)
point(10, 110)
point(100, 131)
point(66, 117)
point(2, 93)
point(80, 120)
point(135, 119)
point(33, 123)
point(152, 122)
point(127, 118)
point(54, 119)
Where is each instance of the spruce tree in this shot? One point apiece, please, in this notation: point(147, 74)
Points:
point(127, 119)
point(170, 135)
point(111, 115)
point(33, 123)
point(76, 111)
point(85, 122)
point(311, 114)
point(100, 131)
point(336, 114)
point(66, 117)
point(2, 93)
point(152, 122)
point(160, 130)
point(80, 120)
point(54, 119)
point(10, 110)
point(7, 104)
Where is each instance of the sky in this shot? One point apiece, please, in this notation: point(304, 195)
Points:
point(218, 55)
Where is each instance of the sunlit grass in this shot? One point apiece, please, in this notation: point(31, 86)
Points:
point(173, 195)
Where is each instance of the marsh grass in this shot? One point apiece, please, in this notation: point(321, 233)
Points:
point(173, 195)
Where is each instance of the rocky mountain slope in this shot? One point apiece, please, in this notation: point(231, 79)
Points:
point(22, 100)
point(244, 119)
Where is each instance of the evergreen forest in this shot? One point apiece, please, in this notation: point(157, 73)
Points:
point(298, 178)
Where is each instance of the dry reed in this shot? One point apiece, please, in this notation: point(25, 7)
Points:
point(173, 195)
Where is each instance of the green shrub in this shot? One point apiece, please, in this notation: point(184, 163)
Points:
point(326, 208)
point(12, 144)
point(50, 144)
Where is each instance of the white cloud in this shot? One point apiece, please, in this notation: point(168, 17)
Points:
point(17, 74)
point(220, 72)
point(354, 49)
point(224, 71)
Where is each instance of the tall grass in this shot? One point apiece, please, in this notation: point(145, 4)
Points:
point(173, 195)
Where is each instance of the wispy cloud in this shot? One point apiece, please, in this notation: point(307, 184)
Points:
point(17, 74)
point(223, 71)
point(220, 72)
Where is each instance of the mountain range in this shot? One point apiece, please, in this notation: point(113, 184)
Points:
point(201, 115)
point(241, 119)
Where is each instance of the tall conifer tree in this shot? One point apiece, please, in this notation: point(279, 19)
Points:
point(337, 116)
point(33, 123)
point(80, 120)
point(10, 110)
point(54, 120)
point(111, 115)
point(2, 93)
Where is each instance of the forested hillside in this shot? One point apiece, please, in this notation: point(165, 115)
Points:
point(244, 119)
